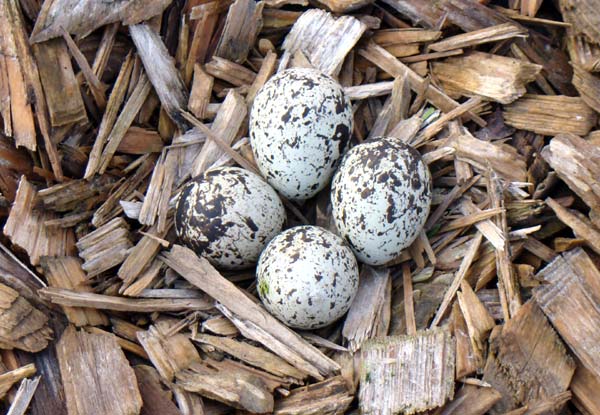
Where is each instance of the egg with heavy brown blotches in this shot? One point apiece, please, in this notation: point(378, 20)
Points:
point(300, 126)
point(381, 197)
point(307, 277)
point(228, 215)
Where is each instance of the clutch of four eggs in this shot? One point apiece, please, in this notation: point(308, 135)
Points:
point(300, 129)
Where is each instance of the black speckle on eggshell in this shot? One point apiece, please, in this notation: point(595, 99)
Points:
point(300, 126)
point(228, 215)
point(381, 197)
point(307, 277)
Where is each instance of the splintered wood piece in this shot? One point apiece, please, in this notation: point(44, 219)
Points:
point(202, 86)
point(588, 86)
point(387, 62)
point(8, 379)
point(569, 298)
point(478, 320)
point(71, 298)
point(156, 201)
point(160, 68)
point(458, 277)
point(139, 140)
point(111, 206)
point(269, 64)
point(509, 282)
point(105, 247)
point(472, 400)
point(582, 226)
point(199, 272)
point(368, 90)
point(478, 37)
point(467, 359)
point(502, 158)
point(584, 16)
point(66, 272)
point(15, 107)
point(168, 353)
point(140, 257)
point(242, 391)
point(23, 396)
point(156, 400)
point(68, 196)
point(123, 122)
point(96, 375)
point(406, 373)
point(527, 347)
point(254, 356)
point(584, 386)
point(229, 71)
point(324, 39)
point(83, 17)
point(367, 309)
point(550, 115)
point(226, 125)
point(426, 14)
point(328, 398)
point(31, 76)
point(575, 160)
point(110, 115)
point(25, 227)
point(495, 77)
point(243, 23)
point(405, 36)
point(470, 15)
point(489, 229)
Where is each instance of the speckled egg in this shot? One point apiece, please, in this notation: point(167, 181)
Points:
point(228, 215)
point(300, 126)
point(307, 277)
point(381, 196)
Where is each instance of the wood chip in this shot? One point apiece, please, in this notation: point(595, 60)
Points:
point(527, 345)
point(365, 318)
point(160, 68)
point(550, 115)
point(93, 366)
point(393, 368)
point(315, 26)
point(478, 37)
point(243, 23)
point(66, 272)
point(10, 378)
point(568, 297)
point(328, 397)
point(156, 401)
point(83, 17)
point(494, 77)
point(25, 227)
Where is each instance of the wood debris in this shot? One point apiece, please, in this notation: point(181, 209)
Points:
point(82, 18)
point(308, 33)
point(527, 345)
point(98, 360)
point(26, 228)
point(392, 372)
point(493, 77)
point(117, 105)
point(568, 297)
point(550, 115)
point(368, 316)
point(105, 247)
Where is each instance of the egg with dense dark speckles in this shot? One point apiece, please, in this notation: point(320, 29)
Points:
point(300, 126)
point(381, 197)
point(228, 215)
point(307, 277)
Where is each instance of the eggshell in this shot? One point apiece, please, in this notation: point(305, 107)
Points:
point(300, 126)
point(381, 196)
point(307, 277)
point(228, 215)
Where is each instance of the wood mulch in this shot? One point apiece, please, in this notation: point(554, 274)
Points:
point(108, 108)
